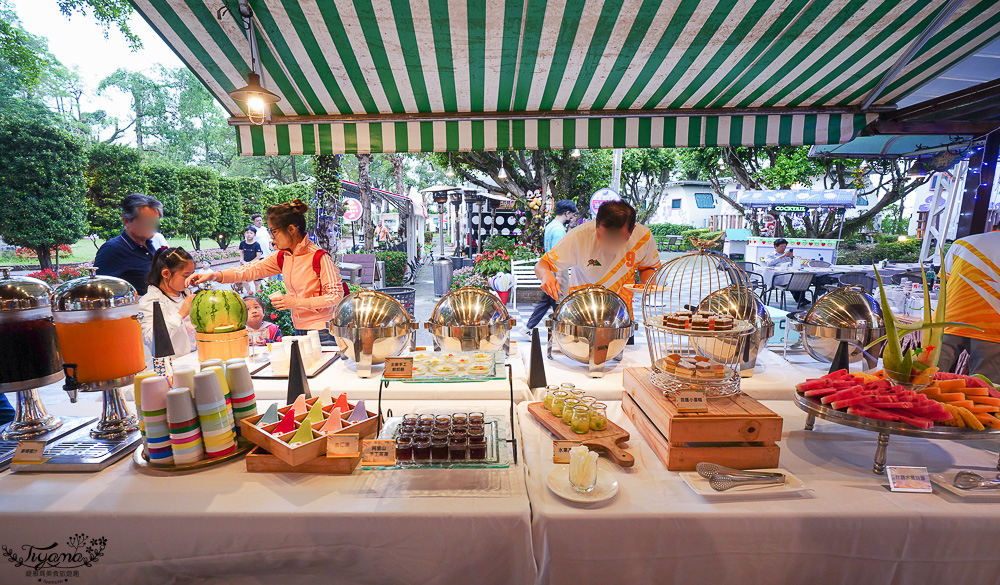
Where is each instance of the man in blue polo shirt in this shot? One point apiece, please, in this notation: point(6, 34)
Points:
point(129, 255)
point(565, 211)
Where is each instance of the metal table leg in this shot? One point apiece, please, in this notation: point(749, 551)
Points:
point(810, 421)
point(880, 452)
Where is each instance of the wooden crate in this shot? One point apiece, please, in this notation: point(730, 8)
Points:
point(260, 460)
point(737, 431)
point(277, 445)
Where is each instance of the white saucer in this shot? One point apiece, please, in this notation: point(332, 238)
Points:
point(558, 482)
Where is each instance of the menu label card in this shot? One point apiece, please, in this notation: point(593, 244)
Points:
point(560, 450)
point(29, 452)
point(342, 445)
point(908, 479)
point(691, 401)
point(378, 452)
point(398, 367)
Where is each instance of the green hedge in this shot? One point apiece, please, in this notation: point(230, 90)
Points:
point(908, 251)
point(395, 267)
point(669, 229)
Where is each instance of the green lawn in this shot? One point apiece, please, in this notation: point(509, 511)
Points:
point(85, 250)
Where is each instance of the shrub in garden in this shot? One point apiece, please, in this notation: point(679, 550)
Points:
point(395, 266)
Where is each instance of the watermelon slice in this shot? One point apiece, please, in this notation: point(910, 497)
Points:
point(871, 413)
point(813, 384)
point(848, 402)
point(819, 392)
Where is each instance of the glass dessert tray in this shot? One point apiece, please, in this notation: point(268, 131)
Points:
point(497, 451)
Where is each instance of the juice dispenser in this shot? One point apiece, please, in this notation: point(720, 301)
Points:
point(29, 359)
point(97, 324)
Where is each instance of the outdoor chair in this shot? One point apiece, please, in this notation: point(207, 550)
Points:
point(912, 276)
point(786, 283)
point(863, 280)
point(756, 280)
point(819, 264)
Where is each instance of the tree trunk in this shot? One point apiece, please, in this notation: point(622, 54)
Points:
point(44, 254)
point(397, 171)
point(365, 187)
point(295, 172)
point(196, 242)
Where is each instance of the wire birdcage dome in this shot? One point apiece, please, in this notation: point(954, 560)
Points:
point(692, 344)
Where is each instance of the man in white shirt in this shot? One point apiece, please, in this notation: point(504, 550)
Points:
point(263, 236)
point(607, 251)
point(565, 210)
point(781, 255)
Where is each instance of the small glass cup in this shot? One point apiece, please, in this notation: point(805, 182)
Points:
point(477, 447)
point(580, 422)
point(476, 418)
point(558, 400)
point(439, 449)
point(459, 419)
point(567, 413)
point(598, 416)
point(442, 421)
point(426, 419)
point(577, 393)
point(422, 448)
point(567, 386)
point(404, 449)
point(458, 448)
point(587, 400)
point(549, 392)
point(409, 420)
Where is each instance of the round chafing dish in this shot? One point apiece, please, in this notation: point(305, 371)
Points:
point(591, 325)
point(739, 302)
point(847, 314)
point(470, 319)
point(369, 327)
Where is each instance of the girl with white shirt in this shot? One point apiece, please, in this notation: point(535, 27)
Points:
point(167, 277)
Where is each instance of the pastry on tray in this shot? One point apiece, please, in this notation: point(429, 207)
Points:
point(445, 370)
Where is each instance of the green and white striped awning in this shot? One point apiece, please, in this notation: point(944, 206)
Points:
point(436, 75)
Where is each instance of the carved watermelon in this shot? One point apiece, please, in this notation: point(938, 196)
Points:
point(218, 311)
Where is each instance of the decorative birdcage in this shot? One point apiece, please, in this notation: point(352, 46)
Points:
point(695, 342)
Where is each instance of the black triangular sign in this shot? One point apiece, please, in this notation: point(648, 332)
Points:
point(536, 369)
point(162, 346)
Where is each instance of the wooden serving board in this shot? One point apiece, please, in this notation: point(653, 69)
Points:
point(607, 441)
point(312, 370)
point(259, 460)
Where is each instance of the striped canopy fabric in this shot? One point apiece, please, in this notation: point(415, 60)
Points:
point(437, 75)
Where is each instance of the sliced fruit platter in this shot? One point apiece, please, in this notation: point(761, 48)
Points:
point(949, 399)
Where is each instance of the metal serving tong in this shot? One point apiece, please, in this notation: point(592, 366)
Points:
point(968, 480)
point(722, 478)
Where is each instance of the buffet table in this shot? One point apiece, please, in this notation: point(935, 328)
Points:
point(227, 525)
point(849, 529)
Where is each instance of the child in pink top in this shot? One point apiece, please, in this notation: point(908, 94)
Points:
point(311, 279)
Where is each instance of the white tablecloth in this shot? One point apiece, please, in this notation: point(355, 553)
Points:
point(225, 525)
point(849, 530)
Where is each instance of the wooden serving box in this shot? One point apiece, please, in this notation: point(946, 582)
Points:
point(260, 460)
point(737, 431)
point(277, 446)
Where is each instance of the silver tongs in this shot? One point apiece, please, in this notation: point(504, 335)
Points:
point(968, 480)
point(722, 478)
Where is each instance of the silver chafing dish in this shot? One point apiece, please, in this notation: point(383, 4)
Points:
point(847, 314)
point(369, 327)
point(741, 303)
point(470, 319)
point(591, 325)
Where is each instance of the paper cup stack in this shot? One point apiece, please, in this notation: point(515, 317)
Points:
point(214, 415)
point(185, 429)
point(279, 358)
point(154, 416)
point(220, 374)
point(137, 391)
point(184, 378)
point(241, 389)
point(317, 346)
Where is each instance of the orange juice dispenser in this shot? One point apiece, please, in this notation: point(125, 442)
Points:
point(29, 359)
point(97, 323)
